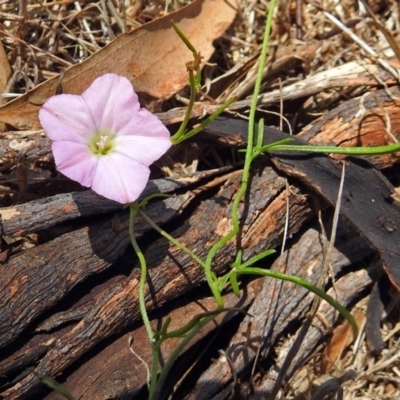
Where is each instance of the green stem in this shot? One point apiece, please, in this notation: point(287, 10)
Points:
point(355, 151)
point(261, 65)
point(247, 164)
point(208, 273)
point(134, 208)
point(207, 121)
point(181, 131)
point(178, 350)
point(307, 285)
point(184, 39)
point(171, 239)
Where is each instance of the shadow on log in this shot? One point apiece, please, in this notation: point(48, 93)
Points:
point(69, 304)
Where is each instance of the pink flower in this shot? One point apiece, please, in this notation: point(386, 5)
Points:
point(103, 139)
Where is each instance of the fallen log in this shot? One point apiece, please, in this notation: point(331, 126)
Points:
point(69, 301)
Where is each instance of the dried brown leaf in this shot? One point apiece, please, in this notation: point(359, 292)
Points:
point(5, 69)
point(152, 57)
point(341, 339)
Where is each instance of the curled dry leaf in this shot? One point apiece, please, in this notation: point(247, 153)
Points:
point(5, 70)
point(152, 57)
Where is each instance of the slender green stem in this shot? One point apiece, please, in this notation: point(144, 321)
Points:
point(307, 285)
point(355, 151)
point(208, 273)
point(171, 239)
point(178, 350)
point(184, 38)
point(143, 270)
point(194, 84)
point(134, 208)
point(181, 131)
point(261, 65)
point(207, 121)
point(53, 384)
point(179, 332)
point(247, 164)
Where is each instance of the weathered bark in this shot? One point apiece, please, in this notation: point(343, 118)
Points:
point(349, 75)
point(67, 303)
point(276, 305)
point(371, 120)
point(116, 307)
point(370, 209)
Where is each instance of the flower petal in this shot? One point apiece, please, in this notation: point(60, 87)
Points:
point(74, 161)
point(112, 102)
point(109, 107)
point(67, 117)
point(143, 149)
point(120, 178)
point(144, 123)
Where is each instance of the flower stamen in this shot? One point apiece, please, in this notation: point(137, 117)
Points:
point(102, 143)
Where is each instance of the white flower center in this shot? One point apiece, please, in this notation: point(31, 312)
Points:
point(102, 142)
